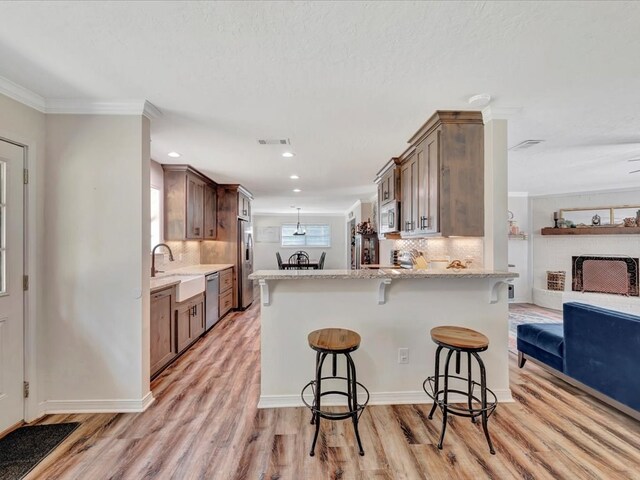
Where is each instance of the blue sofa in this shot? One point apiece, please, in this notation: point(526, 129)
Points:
point(594, 348)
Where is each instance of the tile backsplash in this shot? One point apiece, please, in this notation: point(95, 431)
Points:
point(184, 253)
point(446, 248)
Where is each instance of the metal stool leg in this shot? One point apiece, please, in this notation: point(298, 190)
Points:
point(317, 402)
point(483, 388)
point(354, 392)
point(436, 381)
point(313, 415)
point(445, 398)
point(470, 376)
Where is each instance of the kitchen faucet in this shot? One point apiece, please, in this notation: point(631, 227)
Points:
point(153, 258)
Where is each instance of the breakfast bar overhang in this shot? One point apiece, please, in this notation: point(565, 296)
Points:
point(391, 309)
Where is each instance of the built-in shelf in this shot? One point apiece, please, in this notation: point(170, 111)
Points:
point(518, 236)
point(591, 231)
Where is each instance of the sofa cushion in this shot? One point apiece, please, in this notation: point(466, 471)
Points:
point(545, 336)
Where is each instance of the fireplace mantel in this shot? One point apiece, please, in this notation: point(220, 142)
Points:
point(591, 231)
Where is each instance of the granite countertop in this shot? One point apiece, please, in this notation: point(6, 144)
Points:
point(204, 269)
point(172, 277)
point(160, 283)
point(383, 273)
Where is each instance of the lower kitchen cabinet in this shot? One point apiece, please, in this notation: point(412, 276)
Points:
point(225, 297)
point(189, 321)
point(162, 330)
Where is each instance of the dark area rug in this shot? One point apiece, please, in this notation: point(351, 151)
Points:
point(520, 313)
point(24, 448)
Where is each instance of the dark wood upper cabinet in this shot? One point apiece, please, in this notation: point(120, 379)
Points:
point(190, 200)
point(244, 206)
point(210, 212)
point(195, 207)
point(442, 177)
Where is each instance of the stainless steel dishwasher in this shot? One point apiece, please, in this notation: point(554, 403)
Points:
point(213, 289)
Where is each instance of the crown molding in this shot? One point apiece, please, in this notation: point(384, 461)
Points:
point(22, 95)
point(77, 106)
point(150, 111)
point(499, 113)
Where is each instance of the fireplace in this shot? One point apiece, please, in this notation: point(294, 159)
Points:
point(605, 274)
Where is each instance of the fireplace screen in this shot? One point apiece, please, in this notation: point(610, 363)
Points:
point(613, 275)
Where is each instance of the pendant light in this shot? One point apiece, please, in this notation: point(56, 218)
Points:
point(299, 229)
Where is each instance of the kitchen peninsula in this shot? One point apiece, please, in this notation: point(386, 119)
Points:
point(391, 309)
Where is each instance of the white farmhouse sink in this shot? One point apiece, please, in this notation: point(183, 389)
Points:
point(189, 286)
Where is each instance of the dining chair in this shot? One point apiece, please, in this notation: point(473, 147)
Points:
point(302, 253)
point(280, 266)
point(321, 261)
point(300, 259)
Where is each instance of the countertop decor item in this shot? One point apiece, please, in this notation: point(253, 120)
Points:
point(457, 265)
point(630, 222)
point(366, 228)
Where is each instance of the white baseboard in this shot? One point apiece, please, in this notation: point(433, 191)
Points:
point(97, 406)
point(377, 398)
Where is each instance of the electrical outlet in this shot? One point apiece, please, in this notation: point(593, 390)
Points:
point(403, 355)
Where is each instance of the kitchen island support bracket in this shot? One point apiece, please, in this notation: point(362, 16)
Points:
point(382, 289)
point(264, 292)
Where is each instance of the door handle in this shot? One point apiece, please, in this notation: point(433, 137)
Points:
point(196, 230)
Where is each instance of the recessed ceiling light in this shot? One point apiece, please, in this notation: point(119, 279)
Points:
point(174, 154)
point(296, 190)
point(288, 154)
point(294, 177)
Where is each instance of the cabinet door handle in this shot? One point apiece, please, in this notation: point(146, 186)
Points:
point(196, 230)
point(386, 195)
point(211, 232)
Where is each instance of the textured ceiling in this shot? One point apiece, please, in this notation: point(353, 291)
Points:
point(347, 82)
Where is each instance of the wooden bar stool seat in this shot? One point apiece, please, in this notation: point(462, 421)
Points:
point(334, 342)
point(459, 337)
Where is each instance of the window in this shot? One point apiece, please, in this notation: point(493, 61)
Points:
point(155, 217)
point(318, 235)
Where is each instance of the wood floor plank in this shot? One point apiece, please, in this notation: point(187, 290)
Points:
point(205, 425)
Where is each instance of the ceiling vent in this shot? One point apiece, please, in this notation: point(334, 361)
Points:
point(274, 141)
point(526, 144)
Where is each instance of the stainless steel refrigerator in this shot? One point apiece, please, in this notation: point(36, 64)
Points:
point(245, 263)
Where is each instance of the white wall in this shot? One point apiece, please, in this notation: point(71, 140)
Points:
point(265, 253)
point(551, 252)
point(26, 125)
point(96, 260)
point(520, 250)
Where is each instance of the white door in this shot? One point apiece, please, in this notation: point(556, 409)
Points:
point(11, 284)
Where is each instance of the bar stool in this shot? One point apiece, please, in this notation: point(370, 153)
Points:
point(460, 340)
point(335, 341)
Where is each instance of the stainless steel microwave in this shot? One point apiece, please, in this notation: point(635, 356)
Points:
point(390, 217)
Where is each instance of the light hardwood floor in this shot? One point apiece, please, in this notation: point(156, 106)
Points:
point(205, 425)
